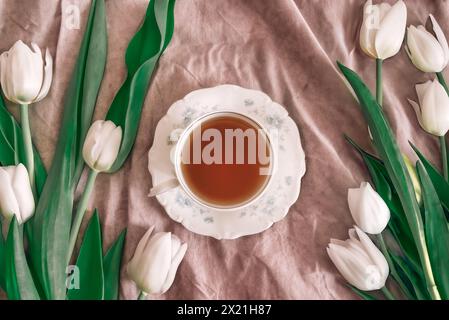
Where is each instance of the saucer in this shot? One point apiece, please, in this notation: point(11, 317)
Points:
point(282, 192)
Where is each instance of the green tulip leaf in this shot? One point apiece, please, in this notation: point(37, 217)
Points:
point(112, 263)
point(12, 152)
point(52, 220)
point(90, 265)
point(11, 147)
point(406, 243)
point(142, 56)
point(415, 280)
point(437, 233)
point(388, 150)
point(19, 284)
point(447, 159)
point(362, 294)
point(11, 281)
point(2, 259)
point(398, 223)
point(439, 183)
point(378, 173)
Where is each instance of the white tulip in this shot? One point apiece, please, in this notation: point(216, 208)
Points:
point(155, 262)
point(368, 209)
point(383, 29)
point(433, 108)
point(427, 52)
point(25, 77)
point(16, 196)
point(359, 261)
point(102, 145)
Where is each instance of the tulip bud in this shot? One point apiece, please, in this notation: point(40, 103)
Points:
point(25, 77)
point(359, 261)
point(368, 209)
point(155, 262)
point(16, 196)
point(383, 29)
point(427, 52)
point(102, 145)
point(433, 108)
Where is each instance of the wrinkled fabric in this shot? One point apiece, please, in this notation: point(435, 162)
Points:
point(285, 48)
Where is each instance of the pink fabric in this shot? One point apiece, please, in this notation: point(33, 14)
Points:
point(285, 48)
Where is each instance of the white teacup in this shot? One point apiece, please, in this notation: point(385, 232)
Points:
point(177, 158)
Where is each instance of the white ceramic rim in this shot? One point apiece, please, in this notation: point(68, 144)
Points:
point(179, 148)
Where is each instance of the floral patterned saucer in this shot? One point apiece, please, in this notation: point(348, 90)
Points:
point(284, 189)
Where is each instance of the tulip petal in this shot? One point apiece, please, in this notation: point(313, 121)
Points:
point(355, 246)
point(417, 111)
point(421, 90)
point(369, 29)
point(175, 245)
point(111, 146)
point(368, 209)
point(90, 153)
point(435, 109)
point(356, 242)
point(155, 262)
point(102, 145)
point(48, 76)
point(22, 73)
point(102, 139)
point(339, 242)
point(8, 201)
point(26, 72)
point(374, 253)
point(425, 51)
point(5, 72)
point(335, 256)
point(134, 267)
point(384, 8)
point(358, 262)
point(143, 242)
point(441, 38)
point(176, 260)
point(21, 185)
point(391, 32)
point(349, 265)
point(357, 251)
point(353, 251)
point(367, 274)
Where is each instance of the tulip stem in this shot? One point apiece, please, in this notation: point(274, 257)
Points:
point(80, 211)
point(387, 293)
point(393, 270)
point(442, 139)
point(379, 92)
point(142, 296)
point(444, 157)
point(441, 79)
point(27, 142)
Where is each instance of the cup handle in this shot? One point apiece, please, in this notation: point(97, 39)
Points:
point(163, 187)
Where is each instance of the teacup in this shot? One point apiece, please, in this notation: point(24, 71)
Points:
point(223, 161)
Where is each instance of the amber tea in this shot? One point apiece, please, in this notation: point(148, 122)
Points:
point(226, 160)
